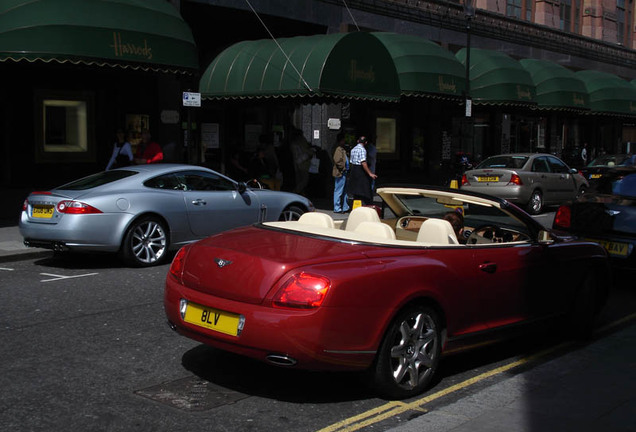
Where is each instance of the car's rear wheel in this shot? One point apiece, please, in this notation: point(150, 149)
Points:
point(409, 353)
point(145, 243)
point(291, 213)
point(535, 204)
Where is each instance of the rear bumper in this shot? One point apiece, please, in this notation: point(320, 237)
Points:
point(515, 194)
point(307, 338)
point(101, 232)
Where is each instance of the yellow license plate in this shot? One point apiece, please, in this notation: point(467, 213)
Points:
point(614, 248)
point(488, 179)
point(42, 211)
point(213, 319)
point(596, 176)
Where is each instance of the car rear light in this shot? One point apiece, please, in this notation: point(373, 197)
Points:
point(178, 262)
point(465, 180)
point(563, 217)
point(302, 291)
point(76, 207)
point(25, 205)
point(515, 180)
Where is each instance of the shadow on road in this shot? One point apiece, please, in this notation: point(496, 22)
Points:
point(254, 378)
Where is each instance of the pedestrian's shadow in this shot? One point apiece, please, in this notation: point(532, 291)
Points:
point(248, 376)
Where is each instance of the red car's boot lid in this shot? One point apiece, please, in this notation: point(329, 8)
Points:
point(232, 265)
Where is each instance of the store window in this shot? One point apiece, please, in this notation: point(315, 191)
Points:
point(63, 123)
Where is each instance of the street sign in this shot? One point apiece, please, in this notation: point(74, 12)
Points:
point(191, 99)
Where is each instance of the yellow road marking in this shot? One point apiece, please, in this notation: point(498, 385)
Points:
point(394, 408)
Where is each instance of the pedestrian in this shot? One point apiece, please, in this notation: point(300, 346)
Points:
point(584, 154)
point(372, 154)
point(302, 154)
point(148, 151)
point(122, 151)
point(360, 178)
point(340, 172)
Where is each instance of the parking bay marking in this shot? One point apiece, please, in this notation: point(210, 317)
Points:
point(6, 269)
point(394, 408)
point(62, 277)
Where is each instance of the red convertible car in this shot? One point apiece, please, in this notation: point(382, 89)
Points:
point(391, 294)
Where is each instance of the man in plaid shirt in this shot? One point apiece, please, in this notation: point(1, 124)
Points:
point(359, 186)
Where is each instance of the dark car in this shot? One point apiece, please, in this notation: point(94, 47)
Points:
point(389, 295)
point(602, 164)
point(606, 215)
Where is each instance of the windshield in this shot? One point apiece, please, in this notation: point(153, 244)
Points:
point(608, 160)
point(475, 214)
point(504, 161)
point(618, 184)
point(98, 179)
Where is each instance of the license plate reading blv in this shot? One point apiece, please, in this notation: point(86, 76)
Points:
point(214, 319)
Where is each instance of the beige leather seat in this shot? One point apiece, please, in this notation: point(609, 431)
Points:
point(437, 231)
point(361, 214)
point(316, 219)
point(375, 229)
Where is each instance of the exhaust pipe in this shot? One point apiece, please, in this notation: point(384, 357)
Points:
point(281, 360)
point(60, 247)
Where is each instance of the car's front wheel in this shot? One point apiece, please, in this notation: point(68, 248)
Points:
point(291, 213)
point(145, 243)
point(535, 204)
point(409, 353)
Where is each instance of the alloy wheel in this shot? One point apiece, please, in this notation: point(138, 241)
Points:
point(148, 242)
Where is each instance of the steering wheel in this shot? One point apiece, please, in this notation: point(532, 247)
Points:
point(479, 234)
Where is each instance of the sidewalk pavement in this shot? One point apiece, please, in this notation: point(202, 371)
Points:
point(590, 388)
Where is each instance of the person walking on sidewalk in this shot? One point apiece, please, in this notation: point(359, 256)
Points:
point(359, 186)
point(340, 172)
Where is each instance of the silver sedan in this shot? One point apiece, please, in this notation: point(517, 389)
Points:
point(143, 211)
point(533, 180)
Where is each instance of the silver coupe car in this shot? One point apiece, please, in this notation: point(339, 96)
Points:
point(143, 211)
point(533, 180)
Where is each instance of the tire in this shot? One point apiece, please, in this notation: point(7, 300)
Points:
point(145, 243)
point(535, 204)
point(291, 213)
point(409, 354)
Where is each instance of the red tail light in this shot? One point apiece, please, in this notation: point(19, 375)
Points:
point(302, 291)
point(178, 262)
point(465, 180)
point(515, 180)
point(25, 205)
point(76, 207)
point(563, 217)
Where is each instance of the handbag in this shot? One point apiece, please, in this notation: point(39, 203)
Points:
point(121, 160)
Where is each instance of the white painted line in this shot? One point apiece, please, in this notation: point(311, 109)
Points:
point(6, 269)
point(61, 277)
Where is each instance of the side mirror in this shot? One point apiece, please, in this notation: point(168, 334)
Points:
point(242, 187)
point(545, 238)
point(574, 171)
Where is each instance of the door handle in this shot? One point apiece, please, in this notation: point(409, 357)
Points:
point(199, 202)
point(488, 267)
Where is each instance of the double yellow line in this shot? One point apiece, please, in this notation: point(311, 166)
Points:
point(394, 408)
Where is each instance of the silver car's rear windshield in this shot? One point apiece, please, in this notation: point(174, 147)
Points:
point(513, 162)
point(98, 179)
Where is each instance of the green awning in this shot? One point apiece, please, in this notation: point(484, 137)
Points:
point(424, 68)
point(349, 65)
point(609, 93)
point(149, 35)
point(557, 87)
point(497, 79)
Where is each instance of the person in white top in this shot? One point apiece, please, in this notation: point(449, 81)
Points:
point(122, 151)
